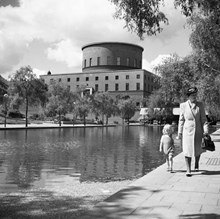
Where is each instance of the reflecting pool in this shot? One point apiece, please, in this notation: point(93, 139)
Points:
point(32, 158)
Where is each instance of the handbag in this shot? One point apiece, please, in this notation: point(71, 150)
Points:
point(207, 143)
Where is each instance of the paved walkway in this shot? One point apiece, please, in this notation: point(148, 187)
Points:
point(164, 195)
point(48, 125)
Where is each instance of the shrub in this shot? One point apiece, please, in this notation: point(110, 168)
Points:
point(16, 114)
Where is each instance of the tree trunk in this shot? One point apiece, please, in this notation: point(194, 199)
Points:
point(84, 120)
point(59, 119)
point(26, 112)
point(102, 119)
point(5, 117)
point(73, 119)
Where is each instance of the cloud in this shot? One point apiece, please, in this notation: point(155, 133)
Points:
point(65, 51)
point(13, 3)
point(12, 52)
point(65, 26)
point(150, 66)
point(159, 60)
point(39, 72)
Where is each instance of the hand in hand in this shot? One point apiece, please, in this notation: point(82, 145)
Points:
point(178, 137)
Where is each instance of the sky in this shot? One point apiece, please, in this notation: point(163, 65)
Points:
point(50, 34)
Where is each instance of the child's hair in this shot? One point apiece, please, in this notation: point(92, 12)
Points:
point(167, 129)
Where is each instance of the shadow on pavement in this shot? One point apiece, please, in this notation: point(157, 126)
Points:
point(115, 206)
point(199, 216)
point(206, 172)
point(127, 191)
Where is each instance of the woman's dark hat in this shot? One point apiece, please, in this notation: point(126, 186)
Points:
point(191, 90)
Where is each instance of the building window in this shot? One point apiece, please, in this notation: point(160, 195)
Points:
point(127, 86)
point(116, 87)
point(98, 60)
point(68, 79)
point(118, 61)
point(108, 60)
point(116, 77)
point(59, 80)
point(137, 86)
point(77, 86)
point(106, 77)
point(77, 79)
point(96, 87)
point(138, 76)
point(135, 63)
point(68, 87)
point(90, 62)
point(106, 87)
point(87, 78)
point(127, 77)
point(128, 61)
point(85, 63)
point(140, 63)
point(96, 78)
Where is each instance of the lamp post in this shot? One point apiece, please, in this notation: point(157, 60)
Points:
point(5, 100)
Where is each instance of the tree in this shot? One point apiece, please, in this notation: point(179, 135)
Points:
point(127, 108)
point(176, 74)
point(82, 107)
point(24, 87)
point(103, 104)
point(146, 16)
point(59, 100)
point(204, 7)
point(206, 58)
point(5, 107)
point(141, 16)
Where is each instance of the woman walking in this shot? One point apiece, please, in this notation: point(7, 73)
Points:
point(192, 126)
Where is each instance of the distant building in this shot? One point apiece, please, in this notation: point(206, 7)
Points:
point(115, 67)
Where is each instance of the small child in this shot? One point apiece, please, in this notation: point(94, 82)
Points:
point(167, 146)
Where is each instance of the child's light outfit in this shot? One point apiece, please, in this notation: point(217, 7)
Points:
point(167, 145)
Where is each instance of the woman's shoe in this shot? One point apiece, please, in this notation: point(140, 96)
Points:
point(188, 174)
point(196, 170)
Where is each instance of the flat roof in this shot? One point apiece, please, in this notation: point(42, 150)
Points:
point(98, 72)
point(121, 43)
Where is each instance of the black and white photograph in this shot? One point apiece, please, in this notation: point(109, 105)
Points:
point(109, 109)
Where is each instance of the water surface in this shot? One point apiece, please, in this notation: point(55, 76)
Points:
point(34, 157)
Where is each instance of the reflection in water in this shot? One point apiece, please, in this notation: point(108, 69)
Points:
point(30, 158)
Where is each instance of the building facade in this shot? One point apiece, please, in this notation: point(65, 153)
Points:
point(110, 66)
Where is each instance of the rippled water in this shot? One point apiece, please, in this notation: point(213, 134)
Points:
point(32, 158)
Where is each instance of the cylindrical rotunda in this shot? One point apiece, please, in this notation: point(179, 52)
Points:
point(105, 56)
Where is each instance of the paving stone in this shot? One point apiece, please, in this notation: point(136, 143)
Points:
point(163, 195)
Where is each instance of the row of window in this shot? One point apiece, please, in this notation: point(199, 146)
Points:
point(108, 62)
point(116, 87)
point(150, 88)
point(97, 78)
